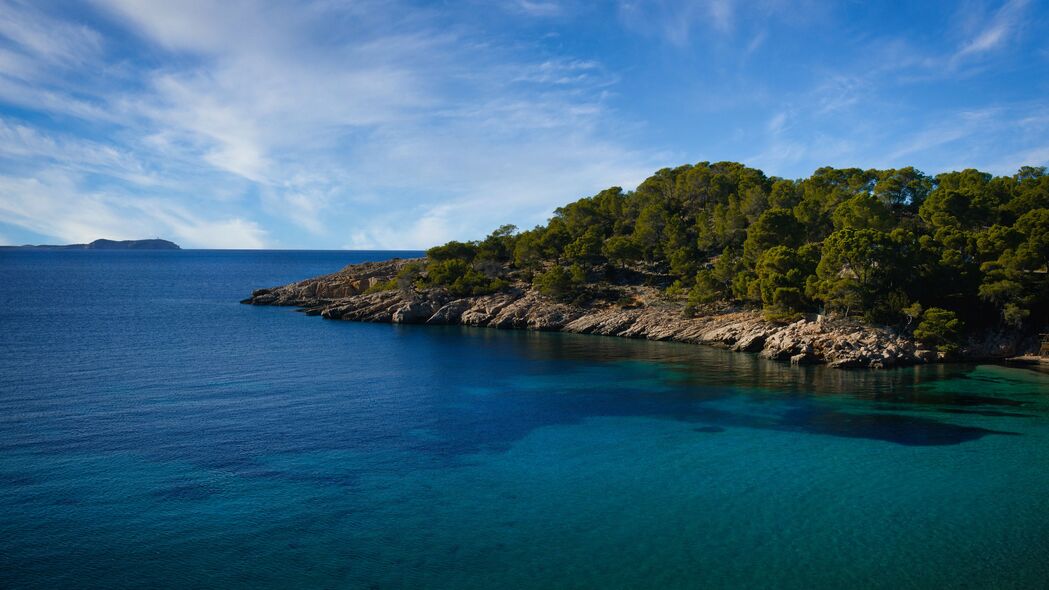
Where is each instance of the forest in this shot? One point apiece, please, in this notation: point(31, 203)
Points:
point(941, 255)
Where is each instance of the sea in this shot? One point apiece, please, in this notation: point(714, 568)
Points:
point(155, 433)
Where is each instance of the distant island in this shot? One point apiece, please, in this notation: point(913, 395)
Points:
point(850, 267)
point(103, 244)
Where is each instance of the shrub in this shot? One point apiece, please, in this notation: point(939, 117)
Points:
point(556, 283)
point(407, 276)
point(940, 328)
point(453, 251)
point(460, 278)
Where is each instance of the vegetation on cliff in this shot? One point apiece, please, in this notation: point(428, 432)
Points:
point(938, 255)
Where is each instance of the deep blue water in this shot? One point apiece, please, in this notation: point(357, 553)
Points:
point(155, 433)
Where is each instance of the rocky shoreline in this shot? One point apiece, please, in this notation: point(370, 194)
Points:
point(355, 293)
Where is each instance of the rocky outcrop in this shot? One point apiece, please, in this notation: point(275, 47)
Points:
point(349, 282)
point(352, 294)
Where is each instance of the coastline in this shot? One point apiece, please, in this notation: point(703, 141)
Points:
point(638, 311)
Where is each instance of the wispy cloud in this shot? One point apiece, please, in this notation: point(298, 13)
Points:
point(53, 203)
point(954, 139)
point(402, 124)
point(953, 127)
point(674, 22)
point(32, 146)
point(37, 35)
point(329, 117)
point(680, 22)
point(1005, 22)
point(537, 8)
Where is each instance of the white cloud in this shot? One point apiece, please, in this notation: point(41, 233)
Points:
point(325, 116)
point(954, 127)
point(383, 124)
point(673, 21)
point(537, 8)
point(777, 122)
point(953, 140)
point(56, 43)
point(1006, 21)
point(53, 203)
point(31, 145)
point(679, 22)
point(277, 120)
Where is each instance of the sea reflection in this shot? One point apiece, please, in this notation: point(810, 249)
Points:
point(686, 382)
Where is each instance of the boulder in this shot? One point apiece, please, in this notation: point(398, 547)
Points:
point(413, 312)
point(925, 355)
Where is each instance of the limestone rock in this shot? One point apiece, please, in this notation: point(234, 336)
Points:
point(838, 342)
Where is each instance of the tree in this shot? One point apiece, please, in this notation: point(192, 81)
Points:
point(716, 282)
point(866, 242)
point(856, 267)
point(528, 249)
point(1030, 191)
point(586, 248)
point(499, 245)
point(556, 283)
point(913, 312)
point(775, 227)
point(453, 251)
point(553, 239)
point(785, 194)
point(1034, 226)
point(460, 278)
point(862, 212)
point(940, 328)
point(905, 187)
point(1016, 282)
point(781, 273)
point(621, 250)
point(648, 231)
point(823, 192)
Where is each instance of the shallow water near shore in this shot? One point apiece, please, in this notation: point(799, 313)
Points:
point(155, 433)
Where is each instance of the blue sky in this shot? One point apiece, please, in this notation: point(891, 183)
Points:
point(394, 124)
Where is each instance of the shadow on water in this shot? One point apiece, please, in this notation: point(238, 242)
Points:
point(514, 417)
point(685, 382)
point(372, 398)
point(894, 428)
point(466, 391)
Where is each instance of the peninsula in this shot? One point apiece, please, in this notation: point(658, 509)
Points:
point(849, 267)
point(103, 244)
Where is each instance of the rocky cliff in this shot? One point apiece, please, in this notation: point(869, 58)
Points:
point(355, 293)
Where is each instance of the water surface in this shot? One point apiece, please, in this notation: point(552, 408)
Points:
point(155, 433)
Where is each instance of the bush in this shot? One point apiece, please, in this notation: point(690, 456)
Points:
point(778, 315)
point(461, 279)
point(707, 289)
point(1014, 315)
point(788, 299)
point(460, 251)
point(676, 290)
point(940, 328)
point(556, 283)
point(407, 276)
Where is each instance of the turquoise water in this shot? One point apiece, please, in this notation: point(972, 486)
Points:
point(155, 433)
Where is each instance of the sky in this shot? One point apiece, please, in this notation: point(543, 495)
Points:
point(334, 124)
